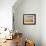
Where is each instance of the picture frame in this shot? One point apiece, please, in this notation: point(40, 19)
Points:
point(29, 19)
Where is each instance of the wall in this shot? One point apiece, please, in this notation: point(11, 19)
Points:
point(43, 22)
point(6, 13)
point(32, 32)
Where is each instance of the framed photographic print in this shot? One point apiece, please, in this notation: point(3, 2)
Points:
point(29, 19)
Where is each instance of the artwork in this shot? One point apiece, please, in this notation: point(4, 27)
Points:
point(29, 19)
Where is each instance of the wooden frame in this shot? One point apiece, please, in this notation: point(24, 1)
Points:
point(29, 19)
